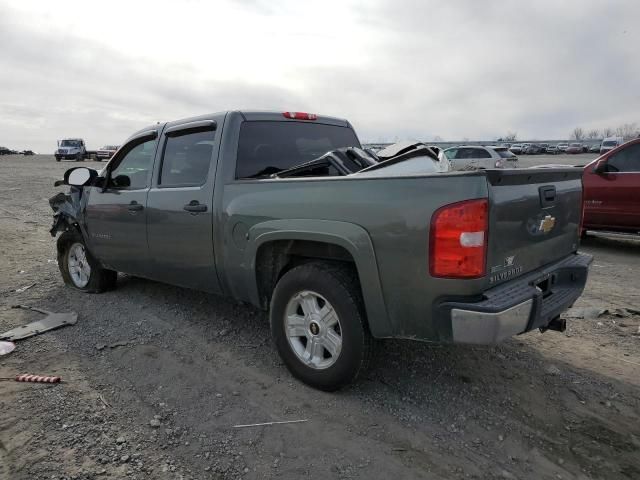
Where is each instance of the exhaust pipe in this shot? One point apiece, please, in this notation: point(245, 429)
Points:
point(558, 324)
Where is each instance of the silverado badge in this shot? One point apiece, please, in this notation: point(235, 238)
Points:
point(547, 224)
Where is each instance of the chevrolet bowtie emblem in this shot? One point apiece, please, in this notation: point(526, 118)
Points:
point(547, 224)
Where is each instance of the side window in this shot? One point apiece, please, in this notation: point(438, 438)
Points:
point(466, 153)
point(186, 159)
point(132, 171)
point(627, 160)
point(451, 153)
point(461, 153)
point(481, 153)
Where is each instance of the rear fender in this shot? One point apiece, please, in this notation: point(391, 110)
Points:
point(353, 238)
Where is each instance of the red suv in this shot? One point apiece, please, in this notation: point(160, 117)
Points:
point(612, 190)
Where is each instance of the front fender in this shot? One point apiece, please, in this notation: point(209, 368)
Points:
point(351, 237)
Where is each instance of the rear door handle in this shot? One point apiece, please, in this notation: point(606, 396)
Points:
point(135, 207)
point(195, 207)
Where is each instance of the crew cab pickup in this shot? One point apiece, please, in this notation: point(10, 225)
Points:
point(612, 190)
point(286, 212)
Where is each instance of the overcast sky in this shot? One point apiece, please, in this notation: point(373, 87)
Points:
point(396, 69)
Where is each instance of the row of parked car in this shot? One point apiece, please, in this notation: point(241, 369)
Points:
point(576, 147)
point(8, 151)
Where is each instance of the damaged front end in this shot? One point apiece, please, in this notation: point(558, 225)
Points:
point(67, 209)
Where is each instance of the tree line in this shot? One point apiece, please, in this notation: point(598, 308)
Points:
point(626, 131)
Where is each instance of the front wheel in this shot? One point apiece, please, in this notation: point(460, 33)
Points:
point(78, 267)
point(318, 325)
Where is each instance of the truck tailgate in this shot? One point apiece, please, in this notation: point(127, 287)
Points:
point(534, 219)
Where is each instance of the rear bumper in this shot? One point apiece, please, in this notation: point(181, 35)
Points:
point(519, 306)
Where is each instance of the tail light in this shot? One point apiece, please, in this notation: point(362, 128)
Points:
point(300, 115)
point(458, 240)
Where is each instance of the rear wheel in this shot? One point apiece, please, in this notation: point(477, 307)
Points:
point(318, 325)
point(78, 267)
point(79, 157)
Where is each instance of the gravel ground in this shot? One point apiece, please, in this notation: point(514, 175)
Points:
point(155, 378)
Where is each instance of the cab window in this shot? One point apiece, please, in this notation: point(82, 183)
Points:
point(626, 160)
point(132, 170)
point(186, 159)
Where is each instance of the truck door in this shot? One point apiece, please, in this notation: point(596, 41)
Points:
point(180, 207)
point(116, 216)
point(618, 190)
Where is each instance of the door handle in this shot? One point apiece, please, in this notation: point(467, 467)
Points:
point(195, 207)
point(135, 207)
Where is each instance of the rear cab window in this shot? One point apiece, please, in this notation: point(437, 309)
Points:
point(268, 147)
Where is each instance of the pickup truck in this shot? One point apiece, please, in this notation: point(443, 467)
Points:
point(612, 190)
point(286, 212)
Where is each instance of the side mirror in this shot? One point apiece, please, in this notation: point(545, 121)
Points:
point(80, 176)
point(601, 167)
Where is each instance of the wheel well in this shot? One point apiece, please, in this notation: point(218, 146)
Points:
point(274, 259)
point(66, 238)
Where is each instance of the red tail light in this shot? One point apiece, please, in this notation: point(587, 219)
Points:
point(458, 246)
point(300, 115)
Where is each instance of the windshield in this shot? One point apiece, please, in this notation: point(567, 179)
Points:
point(70, 143)
point(609, 143)
point(576, 144)
point(270, 147)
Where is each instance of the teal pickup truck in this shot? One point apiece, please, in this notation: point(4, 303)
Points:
point(342, 246)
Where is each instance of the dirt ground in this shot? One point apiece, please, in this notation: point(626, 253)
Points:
point(155, 378)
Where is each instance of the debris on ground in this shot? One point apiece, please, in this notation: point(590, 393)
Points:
point(51, 321)
point(269, 423)
point(28, 378)
point(25, 288)
point(102, 346)
point(7, 347)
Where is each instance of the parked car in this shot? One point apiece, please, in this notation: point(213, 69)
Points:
point(468, 157)
point(552, 150)
point(595, 148)
point(574, 148)
point(28, 152)
point(612, 190)
point(610, 143)
point(298, 226)
point(106, 152)
point(562, 147)
point(524, 148)
point(5, 151)
point(533, 149)
point(516, 148)
point(543, 147)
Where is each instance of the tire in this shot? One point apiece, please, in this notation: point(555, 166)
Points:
point(79, 269)
point(57, 159)
point(329, 290)
point(79, 157)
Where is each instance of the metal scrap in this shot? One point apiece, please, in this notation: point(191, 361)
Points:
point(51, 321)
